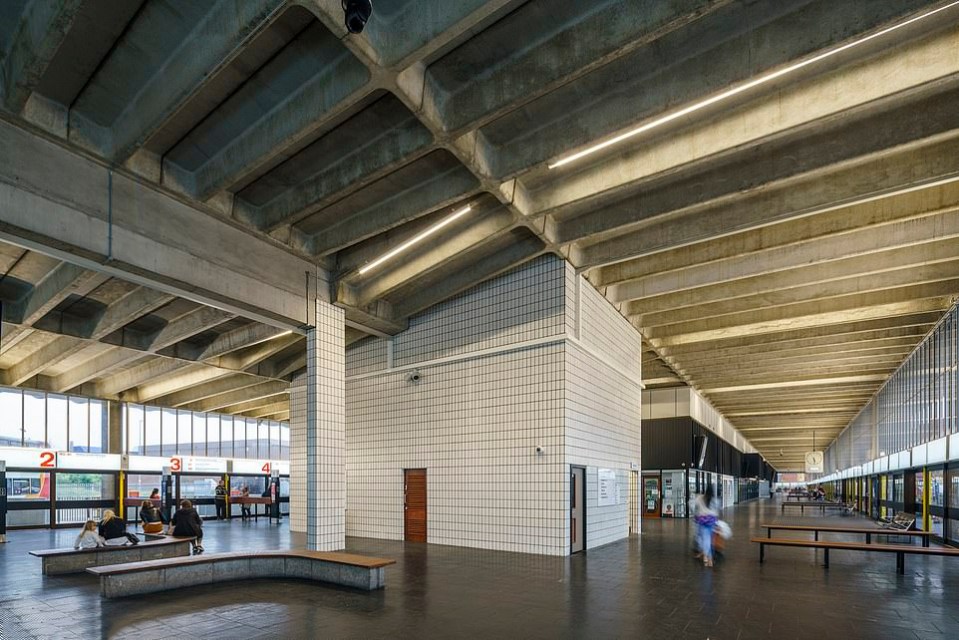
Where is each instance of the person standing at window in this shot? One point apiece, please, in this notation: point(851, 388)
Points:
point(220, 499)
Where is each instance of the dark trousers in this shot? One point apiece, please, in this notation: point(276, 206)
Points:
point(220, 509)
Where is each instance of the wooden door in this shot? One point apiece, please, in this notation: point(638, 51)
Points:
point(414, 490)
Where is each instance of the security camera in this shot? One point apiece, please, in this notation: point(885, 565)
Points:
point(539, 450)
point(357, 14)
point(413, 376)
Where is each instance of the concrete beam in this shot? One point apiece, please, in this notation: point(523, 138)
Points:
point(208, 50)
point(259, 393)
point(58, 285)
point(186, 326)
point(168, 250)
point(816, 381)
point(438, 193)
point(903, 301)
point(97, 367)
point(57, 350)
point(34, 41)
point(857, 223)
point(268, 410)
point(150, 369)
point(192, 379)
point(765, 292)
point(916, 242)
point(807, 107)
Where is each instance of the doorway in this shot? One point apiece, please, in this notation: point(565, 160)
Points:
point(651, 496)
point(414, 505)
point(633, 502)
point(577, 509)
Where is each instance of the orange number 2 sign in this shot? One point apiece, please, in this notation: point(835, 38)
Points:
point(47, 459)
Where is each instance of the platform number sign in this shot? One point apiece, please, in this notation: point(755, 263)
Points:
point(48, 459)
point(266, 468)
point(176, 465)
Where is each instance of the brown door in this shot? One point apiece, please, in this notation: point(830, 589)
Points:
point(414, 489)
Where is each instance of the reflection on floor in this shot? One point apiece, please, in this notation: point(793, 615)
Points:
point(647, 587)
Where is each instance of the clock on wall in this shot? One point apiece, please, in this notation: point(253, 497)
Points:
point(814, 461)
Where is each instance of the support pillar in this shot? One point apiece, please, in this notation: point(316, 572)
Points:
point(114, 427)
point(326, 430)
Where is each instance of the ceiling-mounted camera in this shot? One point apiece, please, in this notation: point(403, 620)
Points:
point(356, 14)
point(413, 376)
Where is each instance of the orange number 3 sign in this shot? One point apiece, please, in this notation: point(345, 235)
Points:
point(176, 464)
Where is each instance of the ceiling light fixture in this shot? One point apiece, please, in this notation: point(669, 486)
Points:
point(281, 334)
point(740, 89)
point(418, 238)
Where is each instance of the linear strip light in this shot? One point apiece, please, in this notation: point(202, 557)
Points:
point(422, 236)
point(741, 88)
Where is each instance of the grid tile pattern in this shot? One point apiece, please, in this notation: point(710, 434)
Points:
point(474, 423)
point(326, 430)
point(523, 304)
point(366, 356)
point(298, 454)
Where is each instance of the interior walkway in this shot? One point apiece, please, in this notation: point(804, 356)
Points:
point(648, 587)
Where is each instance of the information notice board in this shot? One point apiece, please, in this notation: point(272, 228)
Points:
point(608, 488)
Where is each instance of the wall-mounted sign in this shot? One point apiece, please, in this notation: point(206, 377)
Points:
point(148, 463)
point(191, 464)
point(88, 461)
point(252, 467)
point(608, 488)
point(18, 457)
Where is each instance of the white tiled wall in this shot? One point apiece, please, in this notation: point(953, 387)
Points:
point(318, 436)
point(474, 419)
point(603, 408)
point(298, 454)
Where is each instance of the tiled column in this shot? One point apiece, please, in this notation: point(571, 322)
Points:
point(298, 454)
point(326, 430)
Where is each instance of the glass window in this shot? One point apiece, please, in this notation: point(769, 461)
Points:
point(168, 439)
point(134, 417)
point(152, 432)
point(98, 426)
point(79, 410)
point(226, 436)
point(284, 441)
point(57, 423)
point(34, 419)
point(251, 439)
point(184, 433)
point(199, 434)
point(213, 435)
point(11, 426)
point(274, 441)
point(936, 488)
point(198, 486)
point(142, 485)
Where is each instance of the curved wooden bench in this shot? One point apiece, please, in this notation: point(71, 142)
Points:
point(62, 561)
point(347, 569)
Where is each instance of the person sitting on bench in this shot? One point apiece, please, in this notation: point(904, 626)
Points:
point(89, 538)
point(114, 530)
point(151, 518)
point(186, 523)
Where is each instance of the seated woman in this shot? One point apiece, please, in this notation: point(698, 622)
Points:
point(151, 517)
point(114, 530)
point(186, 523)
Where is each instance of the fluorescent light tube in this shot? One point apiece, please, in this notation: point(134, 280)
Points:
point(422, 236)
point(740, 89)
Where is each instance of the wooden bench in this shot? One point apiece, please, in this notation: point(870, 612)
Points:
point(899, 550)
point(868, 531)
point(822, 506)
point(61, 561)
point(347, 569)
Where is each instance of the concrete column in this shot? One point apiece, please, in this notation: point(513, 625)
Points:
point(326, 430)
point(114, 427)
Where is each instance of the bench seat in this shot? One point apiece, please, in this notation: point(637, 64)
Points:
point(63, 561)
point(346, 569)
point(827, 545)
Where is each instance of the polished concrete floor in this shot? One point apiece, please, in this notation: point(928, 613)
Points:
point(647, 587)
